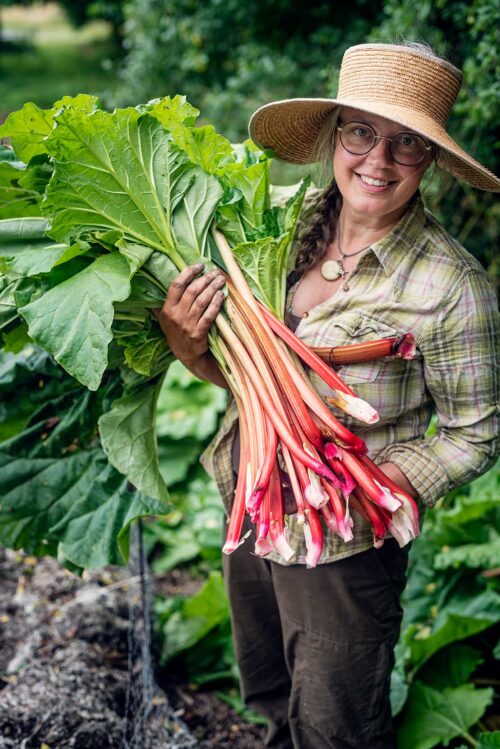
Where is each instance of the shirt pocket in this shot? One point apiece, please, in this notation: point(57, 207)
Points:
point(355, 328)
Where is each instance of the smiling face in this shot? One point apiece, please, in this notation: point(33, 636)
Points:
point(374, 185)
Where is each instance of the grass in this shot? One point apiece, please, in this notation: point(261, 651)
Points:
point(53, 58)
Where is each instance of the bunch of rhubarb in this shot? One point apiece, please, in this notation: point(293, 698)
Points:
point(127, 200)
point(282, 416)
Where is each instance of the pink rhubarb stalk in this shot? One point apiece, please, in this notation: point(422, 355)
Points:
point(378, 494)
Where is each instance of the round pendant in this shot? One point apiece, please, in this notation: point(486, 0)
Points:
point(331, 270)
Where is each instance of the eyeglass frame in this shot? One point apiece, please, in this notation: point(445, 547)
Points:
point(382, 137)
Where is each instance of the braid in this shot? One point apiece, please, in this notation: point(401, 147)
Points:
point(320, 232)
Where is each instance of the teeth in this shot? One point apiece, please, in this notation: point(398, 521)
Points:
point(370, 181)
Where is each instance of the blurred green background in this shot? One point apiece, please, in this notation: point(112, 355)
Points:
point(230, 57)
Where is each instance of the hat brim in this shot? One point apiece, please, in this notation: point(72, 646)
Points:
point(291, 128)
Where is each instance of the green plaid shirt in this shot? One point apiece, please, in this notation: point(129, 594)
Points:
point(418, 279)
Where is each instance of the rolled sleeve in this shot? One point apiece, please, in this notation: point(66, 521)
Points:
point(460, 360)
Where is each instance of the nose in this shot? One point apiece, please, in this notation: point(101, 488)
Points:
point(380, 153)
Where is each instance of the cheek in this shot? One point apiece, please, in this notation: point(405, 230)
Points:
point(344, 164)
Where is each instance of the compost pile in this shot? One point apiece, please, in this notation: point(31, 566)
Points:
point(70, 675)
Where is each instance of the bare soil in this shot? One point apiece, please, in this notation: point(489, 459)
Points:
point(71, 674)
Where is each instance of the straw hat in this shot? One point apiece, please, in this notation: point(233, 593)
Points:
point(403, 84)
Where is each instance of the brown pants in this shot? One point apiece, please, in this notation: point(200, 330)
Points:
point(315, 647)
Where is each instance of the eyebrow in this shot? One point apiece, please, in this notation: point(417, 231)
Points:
point(364, 121)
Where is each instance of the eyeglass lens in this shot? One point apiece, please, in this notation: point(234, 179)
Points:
point(405, 148)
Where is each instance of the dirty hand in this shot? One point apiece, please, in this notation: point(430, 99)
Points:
point(192, 304)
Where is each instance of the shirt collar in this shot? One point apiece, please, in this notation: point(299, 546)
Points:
point(393, 250)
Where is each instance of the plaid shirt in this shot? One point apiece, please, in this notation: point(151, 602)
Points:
point(416, 278)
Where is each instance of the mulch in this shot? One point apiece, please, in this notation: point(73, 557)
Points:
point(71, 674)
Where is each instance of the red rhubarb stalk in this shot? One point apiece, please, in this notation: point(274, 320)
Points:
point(373, 489)
point(313, 534)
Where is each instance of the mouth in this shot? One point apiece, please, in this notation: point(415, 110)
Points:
point(373, 182)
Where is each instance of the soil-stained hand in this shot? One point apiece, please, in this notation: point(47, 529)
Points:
point(193, 302)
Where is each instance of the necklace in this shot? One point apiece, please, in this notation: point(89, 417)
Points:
point(331, 270)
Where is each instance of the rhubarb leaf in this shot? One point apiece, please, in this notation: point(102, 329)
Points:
point(264, 263)
point(73, 319)
point(433, 716)
point(474, 556)
point(16, 339)
point(196, 617)
point(250, 188)
point(29, 127)
point(128, 436)
point(457, 622)
point(96, 529)
point(172, 112)
point(121, 172)
point(26, 249)
point(15, 199)
point(58, 493)
point(489, 740)
point(205, 147)
point(148, 355)
point(451, 667)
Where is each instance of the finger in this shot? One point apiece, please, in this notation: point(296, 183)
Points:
point(211, 312)
point(182, 281)
point(189, 301)
point(203, 299)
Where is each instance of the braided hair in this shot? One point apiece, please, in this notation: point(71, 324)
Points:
point(320, 230)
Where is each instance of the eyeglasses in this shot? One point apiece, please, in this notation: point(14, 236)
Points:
point(358, 138)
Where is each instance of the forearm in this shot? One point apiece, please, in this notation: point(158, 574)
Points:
point(206, 368)
point(451, 458)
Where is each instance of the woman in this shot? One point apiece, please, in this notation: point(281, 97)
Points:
point(315, 647)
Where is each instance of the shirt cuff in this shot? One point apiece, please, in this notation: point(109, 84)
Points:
point(424, 473)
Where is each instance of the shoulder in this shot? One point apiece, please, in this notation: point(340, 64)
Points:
point(438, 266)
point(447, 254)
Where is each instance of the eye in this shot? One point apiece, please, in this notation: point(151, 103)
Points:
point(361, 132)
point(405, 139)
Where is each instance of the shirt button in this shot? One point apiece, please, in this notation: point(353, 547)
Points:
point(306, 314)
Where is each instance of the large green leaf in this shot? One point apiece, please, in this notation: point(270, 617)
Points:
point(475, 556)
point(30, 126)
point(433, 716)
point(15, 199)
point(128, 436)
point(196, 618)
point(26, 382)
point(95, 531)
point(121, 172)
point(456, 622)
point(26, 249)
point(73, 319)
point(489, 740)
point(451, 667)
point(188, 407)
point(264, 264)
point(58, 493)
point(246, 199)
point(8, 307)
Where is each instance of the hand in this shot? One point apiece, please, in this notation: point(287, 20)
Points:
point(192, 304)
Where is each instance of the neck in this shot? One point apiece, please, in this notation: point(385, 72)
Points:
point(360, 230)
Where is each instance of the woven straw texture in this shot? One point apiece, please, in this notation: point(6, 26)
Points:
point(398, 83)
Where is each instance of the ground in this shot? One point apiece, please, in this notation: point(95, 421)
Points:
point(72, 672)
